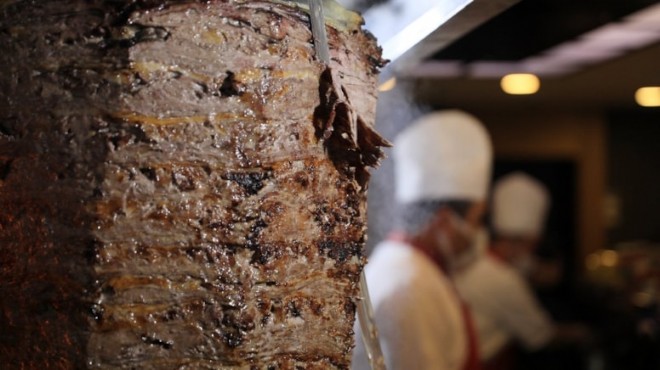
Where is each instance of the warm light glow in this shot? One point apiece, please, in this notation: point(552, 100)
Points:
point(648, 96)
point(387, 85)
point(609, 258)
point(520, 84)
point(593, 261)
point(642, 299)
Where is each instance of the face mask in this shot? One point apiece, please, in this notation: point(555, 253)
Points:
point(444, 244)
point(464, 234)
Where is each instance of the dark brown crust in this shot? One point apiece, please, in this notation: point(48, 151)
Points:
point(173, 193)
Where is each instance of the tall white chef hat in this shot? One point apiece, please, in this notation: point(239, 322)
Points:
point(520, 205)
point(443, 155)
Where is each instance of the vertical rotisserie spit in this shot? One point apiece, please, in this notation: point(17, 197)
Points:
point(182, 184)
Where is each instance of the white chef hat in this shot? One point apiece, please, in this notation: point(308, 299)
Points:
point(520, 204)
point(443, 155)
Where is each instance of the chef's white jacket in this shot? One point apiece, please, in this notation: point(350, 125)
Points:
point(417, 312)
point(503, 307)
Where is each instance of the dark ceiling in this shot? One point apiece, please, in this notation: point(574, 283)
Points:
point(532, 26)
point(605, 86)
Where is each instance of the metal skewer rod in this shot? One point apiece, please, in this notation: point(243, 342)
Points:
point(368, 327)
point(318, 31)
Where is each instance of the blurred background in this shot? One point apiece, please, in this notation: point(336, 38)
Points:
point(588, 126)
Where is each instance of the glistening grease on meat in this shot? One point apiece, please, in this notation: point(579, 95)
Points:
point(182, 185)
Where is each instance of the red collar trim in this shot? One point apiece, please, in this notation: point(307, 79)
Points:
point(429, 252)
point(472, 361)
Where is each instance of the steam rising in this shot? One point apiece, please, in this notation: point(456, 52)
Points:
point(396, 110)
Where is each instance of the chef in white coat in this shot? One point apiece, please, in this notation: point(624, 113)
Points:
point(442, 171)
point(503, 305)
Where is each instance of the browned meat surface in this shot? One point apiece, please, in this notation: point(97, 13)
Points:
point(182, 185)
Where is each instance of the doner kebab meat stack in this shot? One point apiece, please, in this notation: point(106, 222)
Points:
point(182, 184)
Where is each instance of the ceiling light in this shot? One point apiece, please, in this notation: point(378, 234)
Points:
point(520, 84)
point(387, 85)
point(609, 258)
point(648, 96)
